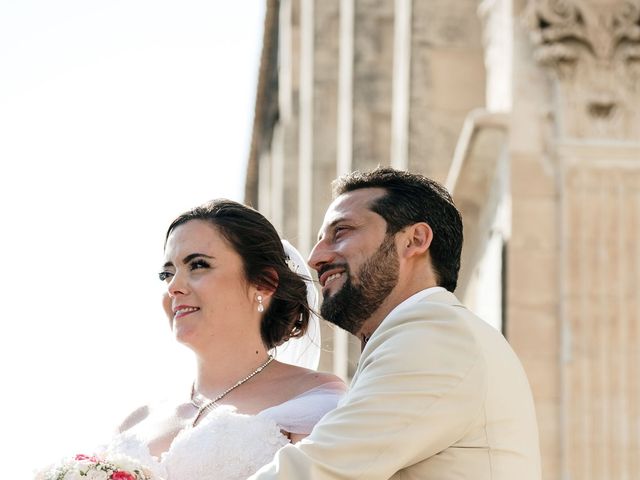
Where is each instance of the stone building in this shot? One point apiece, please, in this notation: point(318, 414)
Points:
point(529, 112)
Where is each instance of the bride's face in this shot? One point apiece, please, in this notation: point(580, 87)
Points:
point(207, 296)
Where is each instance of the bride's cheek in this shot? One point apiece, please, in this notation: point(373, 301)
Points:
point(166, 306)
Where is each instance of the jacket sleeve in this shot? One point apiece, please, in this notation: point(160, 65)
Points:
point(420, 384)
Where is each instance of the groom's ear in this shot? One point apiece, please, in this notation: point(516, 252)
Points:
point(416, 240)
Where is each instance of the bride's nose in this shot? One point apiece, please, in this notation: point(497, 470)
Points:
point(178, 285)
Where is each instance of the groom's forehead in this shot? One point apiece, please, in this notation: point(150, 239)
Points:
point(351, 206)
point(355, 201)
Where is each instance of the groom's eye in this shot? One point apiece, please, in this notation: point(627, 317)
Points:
point(339, 230)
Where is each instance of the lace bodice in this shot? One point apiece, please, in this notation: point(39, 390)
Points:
point(226, 445)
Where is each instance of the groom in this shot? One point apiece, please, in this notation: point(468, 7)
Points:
point(438, 393)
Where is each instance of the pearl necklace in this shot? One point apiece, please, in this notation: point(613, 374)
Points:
point(206, 406)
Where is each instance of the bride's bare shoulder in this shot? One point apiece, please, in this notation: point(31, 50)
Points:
point(318, 379)
point(306, 379)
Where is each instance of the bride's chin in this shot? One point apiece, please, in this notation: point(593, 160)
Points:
point(183, 334)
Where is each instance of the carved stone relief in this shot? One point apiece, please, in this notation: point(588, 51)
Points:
point(592, 48)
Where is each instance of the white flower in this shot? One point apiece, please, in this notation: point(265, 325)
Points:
point(124, 462)
point(96, 475)
point(74, 474)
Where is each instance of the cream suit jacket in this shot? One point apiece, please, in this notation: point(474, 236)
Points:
point(438, 394)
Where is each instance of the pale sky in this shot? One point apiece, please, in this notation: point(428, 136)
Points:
point(115, 116)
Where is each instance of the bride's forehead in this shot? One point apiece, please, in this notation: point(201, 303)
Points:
point(198, 235)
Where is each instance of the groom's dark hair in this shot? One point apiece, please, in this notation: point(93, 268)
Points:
point(412, 198)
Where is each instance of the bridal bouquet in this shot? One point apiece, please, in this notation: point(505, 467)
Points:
point(97, 467)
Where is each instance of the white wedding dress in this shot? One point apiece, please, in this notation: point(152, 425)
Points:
point(226, 445)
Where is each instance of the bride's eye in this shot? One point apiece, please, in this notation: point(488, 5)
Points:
point(164, 276)
point(198, 264)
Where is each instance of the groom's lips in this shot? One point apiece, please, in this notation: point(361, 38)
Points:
point(328, 274)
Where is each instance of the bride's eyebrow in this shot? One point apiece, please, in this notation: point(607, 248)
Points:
point(188, 258)
point(191, 256)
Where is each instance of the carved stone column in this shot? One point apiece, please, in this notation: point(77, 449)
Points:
point(590, 52)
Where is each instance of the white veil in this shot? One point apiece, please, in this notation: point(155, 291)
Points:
point(303, 351)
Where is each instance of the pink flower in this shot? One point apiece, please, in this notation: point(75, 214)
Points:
point(82, 456)
point(122, 475)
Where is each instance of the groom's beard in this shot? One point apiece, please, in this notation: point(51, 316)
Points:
point(353, 304)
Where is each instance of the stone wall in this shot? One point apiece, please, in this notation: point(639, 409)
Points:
point(529, 111)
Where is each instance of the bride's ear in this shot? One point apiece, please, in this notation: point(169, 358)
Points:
point(269, 284)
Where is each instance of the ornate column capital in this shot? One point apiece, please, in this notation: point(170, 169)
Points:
point(592, 49)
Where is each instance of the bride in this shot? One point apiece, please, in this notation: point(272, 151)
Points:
point(233, 299)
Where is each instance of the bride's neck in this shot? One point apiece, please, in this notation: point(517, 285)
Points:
point(218, 369)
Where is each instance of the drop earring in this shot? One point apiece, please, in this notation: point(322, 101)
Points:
point(260, 305)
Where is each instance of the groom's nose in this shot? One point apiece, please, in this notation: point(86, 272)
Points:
point(320, 255)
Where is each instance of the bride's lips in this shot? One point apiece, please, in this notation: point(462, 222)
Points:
point(184, 310)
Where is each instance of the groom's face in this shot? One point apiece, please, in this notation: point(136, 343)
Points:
point(356, 261)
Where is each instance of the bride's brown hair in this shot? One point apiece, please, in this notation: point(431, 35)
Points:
point(253, 237)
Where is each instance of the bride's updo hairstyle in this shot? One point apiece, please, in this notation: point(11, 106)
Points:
point(253, 237)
